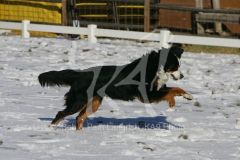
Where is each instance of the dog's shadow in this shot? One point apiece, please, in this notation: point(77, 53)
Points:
point(101, 123)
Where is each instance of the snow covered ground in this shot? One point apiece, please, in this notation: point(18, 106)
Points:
point(208, 127)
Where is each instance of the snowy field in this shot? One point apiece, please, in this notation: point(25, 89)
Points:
point(208, 127)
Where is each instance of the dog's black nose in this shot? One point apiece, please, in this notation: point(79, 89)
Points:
point(181, 76)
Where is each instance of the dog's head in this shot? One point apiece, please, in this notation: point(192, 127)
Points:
point(173, 63)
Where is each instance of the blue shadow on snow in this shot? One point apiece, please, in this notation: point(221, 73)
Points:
point(158, 122)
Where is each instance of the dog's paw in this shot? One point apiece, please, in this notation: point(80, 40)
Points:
point(171, 106)
point(187, 96)
point(52, 126)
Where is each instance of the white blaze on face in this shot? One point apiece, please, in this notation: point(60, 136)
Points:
point(179, 62)
point(176, 74)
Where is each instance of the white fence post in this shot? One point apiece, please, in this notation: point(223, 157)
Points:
point(25, 33)
point(164, 38)
point(91, 34)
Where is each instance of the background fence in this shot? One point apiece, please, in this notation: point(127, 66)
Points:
point(197, 17)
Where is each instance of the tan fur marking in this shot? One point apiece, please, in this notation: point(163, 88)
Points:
point(169, 97)
point(56, 123)
point(91, 107)
point(176, 91)
point(156, 83)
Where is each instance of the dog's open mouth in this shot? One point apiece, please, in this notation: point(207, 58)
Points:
point(173, 77)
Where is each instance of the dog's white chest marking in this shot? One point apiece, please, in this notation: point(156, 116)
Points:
point(162, 78)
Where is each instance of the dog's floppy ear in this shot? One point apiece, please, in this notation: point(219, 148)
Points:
point(177, 51)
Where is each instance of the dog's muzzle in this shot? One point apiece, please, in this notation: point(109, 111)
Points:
point(176, 75)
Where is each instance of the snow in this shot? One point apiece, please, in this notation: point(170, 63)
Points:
point(208, 127)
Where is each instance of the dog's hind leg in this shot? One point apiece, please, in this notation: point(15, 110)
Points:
point(73, 104)
point(91, 107)
point(61, 115)
point(64, 113)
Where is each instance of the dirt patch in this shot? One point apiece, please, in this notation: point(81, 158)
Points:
point(211, 49)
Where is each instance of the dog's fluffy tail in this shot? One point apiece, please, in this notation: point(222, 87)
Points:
point(58, 78)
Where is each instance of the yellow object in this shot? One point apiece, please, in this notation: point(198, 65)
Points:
point(104, 15)
point(47, 12)
point(91, 4)
point(90, 15)
point(131, 6)
point(105, 4)
point(35, 11)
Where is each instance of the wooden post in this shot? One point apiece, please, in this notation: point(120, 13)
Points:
point(217, 25)
point(64, 15)
point(200, 29)
point(64, 12)
point(70, 15)
point(146, 15)
point(116, 13)
point(199, 4)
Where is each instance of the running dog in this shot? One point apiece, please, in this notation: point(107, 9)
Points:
point(143, 79)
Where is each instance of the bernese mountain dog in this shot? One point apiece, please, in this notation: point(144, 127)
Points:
point(143, 79)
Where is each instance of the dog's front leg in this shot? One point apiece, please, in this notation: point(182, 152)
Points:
point(162, 95)
point(168, 94)
point(179, 92)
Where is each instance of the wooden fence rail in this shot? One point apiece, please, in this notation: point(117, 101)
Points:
point(199, 15)
point(134, 15)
